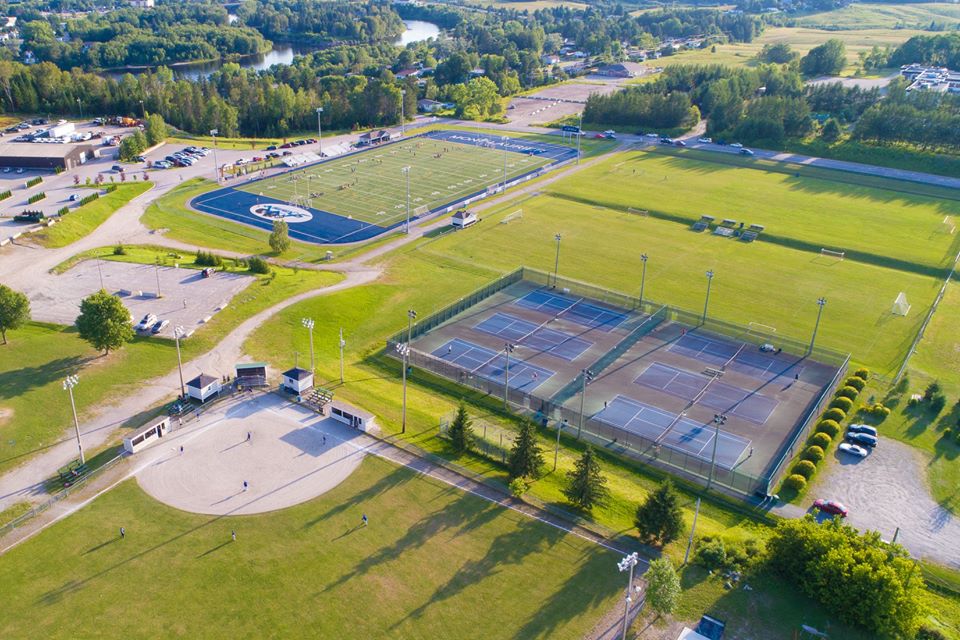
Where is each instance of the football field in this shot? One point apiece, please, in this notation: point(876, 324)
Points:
point(360, 195)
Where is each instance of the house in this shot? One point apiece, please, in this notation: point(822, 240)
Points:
point(463, 219)
point(614, 71)
point(142, 4)
point(429, 106)
point(923, 78)
point(203, 387)
point(407, 73)
point(476, 73)
point(550, 59)
point(373, 137)
point(297, 380)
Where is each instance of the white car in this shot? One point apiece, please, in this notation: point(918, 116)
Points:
point(853, 449)
point(653, 135)
point(705, 140)
point(146, 322)
point(737, 145)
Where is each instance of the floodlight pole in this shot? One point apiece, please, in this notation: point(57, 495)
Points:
point(820, 303)
point(507, 349)
point(216, 165)
point(643, 277)
point(319, 133)
point(68, 384)
point(556, 262)
point(406, 172)
point(579, 135)
point(696, 512)
point(156, 270)
point(556, 449)
point(718, 419)
point(587, 377)
point(404, 350)
point(627, 564)
point(504, 141)
point(177, 334)
point(342, 344)
point(80, 104)
point(707, 301)
point(143, 111)
point(403, 129)
point(309, 323)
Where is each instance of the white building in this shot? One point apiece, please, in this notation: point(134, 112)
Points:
point(463, 219)
point(297, 380)
point(203, 387)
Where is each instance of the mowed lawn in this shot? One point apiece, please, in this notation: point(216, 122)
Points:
point(82, 220)
point(371, 186)
point(812, 209)
point(433, 562)
point(758, 282)
point(885, 16)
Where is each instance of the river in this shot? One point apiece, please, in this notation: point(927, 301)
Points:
point(417, 31)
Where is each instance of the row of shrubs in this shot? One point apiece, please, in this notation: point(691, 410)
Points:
point(62, 211)
point(110, 188)
point(88, 199)
point(32, 182)
point(6, 194)
point(37, 197)
point(254, 264)
point(826, 430)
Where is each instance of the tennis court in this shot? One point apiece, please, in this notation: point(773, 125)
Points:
point(705, 349)
point(557, 343)
point(670, 430)
point(362, 194)
point(491, 365)
point(573, 309)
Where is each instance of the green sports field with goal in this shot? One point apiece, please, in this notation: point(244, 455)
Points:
point(372, 186)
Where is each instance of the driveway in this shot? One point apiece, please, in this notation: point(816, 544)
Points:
point(887, 490)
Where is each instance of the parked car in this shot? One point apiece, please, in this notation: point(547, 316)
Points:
point(599, 136)
point(117, 168)
point(159, 326)
point(852, 449)
point(862, 428)
point(209, 271)
point(831, 506)
point(705, 140)
point(146, 322)
point(241, 162)
point(680, 143)
point(653, 135)
point(286, 145)
point(311, 141)
point(273, 154)
point(746, 152)
point(19, 169)
point(257, 159)
point(737, 145)
point(141, 159)
point(272, 147)
point(666, 140)
point(74, 197)
point(7, 169)
point(864, 439)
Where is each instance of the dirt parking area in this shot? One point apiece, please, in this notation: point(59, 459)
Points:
point(557, 101)
point(186, 299)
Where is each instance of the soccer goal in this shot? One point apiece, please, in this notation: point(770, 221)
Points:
point(422, 210)
point(947, 226)
point(832, 253)
point(516, 215)
point(900, 306)
point(638, 212)
point(760, 333)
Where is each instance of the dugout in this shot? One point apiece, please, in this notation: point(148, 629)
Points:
point(203, 387)
point(146, 435)
point(297, 380)
point(352, 416)
point(251, 374)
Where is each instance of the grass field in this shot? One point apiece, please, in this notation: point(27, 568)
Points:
point(818, 209)
point(884, 16)
point(433, 562)
point(81, 221)
point(372, 186)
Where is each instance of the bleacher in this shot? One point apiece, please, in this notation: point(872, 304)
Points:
point(72, 473)
point(726, 228)
point(752, 232)
point(319, 398)
point(703, 223)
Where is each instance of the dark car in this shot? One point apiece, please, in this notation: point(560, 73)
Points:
point(862, 428)
point(286, 145)
point(680, 143)
point(311, 141)
point(831, 506)
point(272, 147)
point(865, 439)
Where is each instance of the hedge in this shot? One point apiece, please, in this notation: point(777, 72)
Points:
point(34, 181)
point(795, 482)
point(37, 197)
point(848, 392)
point(863, 373)
point(814, 454)
point(855, 382)
point(805, 468)
point(256, 264)
point(835, 414)
point(821, 440)
point(6, 194)
point(829, 427)
point(844, 404)
point(62, 211)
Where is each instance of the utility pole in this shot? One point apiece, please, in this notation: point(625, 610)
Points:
point(579, 135)
point(643, 278)
point(503, 140)
point(178, 333)
point(718, 419)
point(587, 377)
point(686, 556)
point(820, 303)
point(507, 349)
point(406, 172)
point(556, 262)
point(342, 345)
point(80, 104)
point(627, 564)
point(556, 449)
point(68, 385)
point(319, 133)
point(308, 323)
point(100, 272)
point(707, 301)
point(156, 270)
point(143, 111)
point(404, 351)
point(403, 129)
point(216, 166)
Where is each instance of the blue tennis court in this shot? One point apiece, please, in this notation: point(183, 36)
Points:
point(539, 338)
point(687, 436)
point(739, 402)
point(704, 349)
point(491, 364)
point(676, 382)
point(583, 313)
point(760, 366)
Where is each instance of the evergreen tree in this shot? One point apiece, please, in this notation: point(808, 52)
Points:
point(663, 586)
point(461, 431)
point(14, 310)
point(280, 236)
point(659, 518)
point(586, 485)
point(104, 322)
point(830, 131)
point(526, 457)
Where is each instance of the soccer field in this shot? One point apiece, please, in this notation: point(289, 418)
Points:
point(360, 195)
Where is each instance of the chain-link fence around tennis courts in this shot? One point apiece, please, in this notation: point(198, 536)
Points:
point(551, 412)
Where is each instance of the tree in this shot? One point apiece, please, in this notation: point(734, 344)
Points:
point(779, 53)
point(279, 237)
point(586, 485)
point(104, 322)
point(659, 518)
point(526, 457)
point(461, 431)
point(14, 310)
point(156, 129)
point(831, 130)
point(827, 59)
point(663, 586)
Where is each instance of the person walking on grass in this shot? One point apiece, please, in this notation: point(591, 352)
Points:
point(363, 519)
point(245, 485)
point(233, 534)
point(249, 435)
point(123, 533)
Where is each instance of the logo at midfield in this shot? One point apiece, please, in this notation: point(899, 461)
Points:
point(285, 212)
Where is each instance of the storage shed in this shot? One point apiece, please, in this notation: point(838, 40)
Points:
point(203, 387)
point(297, 380)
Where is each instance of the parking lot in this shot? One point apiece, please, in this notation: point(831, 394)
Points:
point(186, 299)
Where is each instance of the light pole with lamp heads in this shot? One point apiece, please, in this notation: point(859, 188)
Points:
point(178, 334)
point(404, 350)
point(216, 167)
point(68, 384)
point(706, 303)
point(820, 303)
point(643, 277)
point(627, 564)
point(556, 262)
point(319, 133)
point(718, 419)
point(403, 129)
point(587, 377)
point(308, 324)
point(406, 172)
point(342, 345)
point(508, 348)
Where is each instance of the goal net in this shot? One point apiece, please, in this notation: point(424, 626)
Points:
point(947, 226)
point(900, 306)
point(761, 333)
point(638, 212)
point(421, 210)
point(832, 253)
point(516, 215)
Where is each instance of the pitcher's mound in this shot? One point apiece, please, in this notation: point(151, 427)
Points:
point(292, 455)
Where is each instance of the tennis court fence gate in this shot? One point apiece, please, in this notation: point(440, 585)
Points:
point(550, 412)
